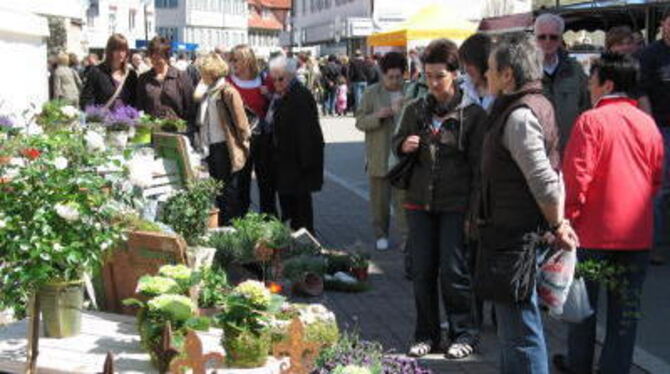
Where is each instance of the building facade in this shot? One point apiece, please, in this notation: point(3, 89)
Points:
point(207, 23)
point(267, 20)
point(135, 19)
point(341, 26)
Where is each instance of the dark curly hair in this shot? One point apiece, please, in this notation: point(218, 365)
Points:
point(441, 51)
point(393, 60)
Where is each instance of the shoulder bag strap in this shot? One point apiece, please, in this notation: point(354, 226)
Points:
point(116, 94)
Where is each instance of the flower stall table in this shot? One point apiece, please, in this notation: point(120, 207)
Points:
point(85, 353)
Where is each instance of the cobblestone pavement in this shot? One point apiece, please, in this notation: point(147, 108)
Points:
point(386, 313)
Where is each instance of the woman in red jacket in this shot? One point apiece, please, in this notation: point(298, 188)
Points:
point(613, 166)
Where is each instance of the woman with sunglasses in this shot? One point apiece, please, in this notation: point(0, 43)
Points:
point(256, 91)
point(443, 131)
point(293, 119)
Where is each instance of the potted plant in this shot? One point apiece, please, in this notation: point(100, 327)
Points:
point(56, 115)
point(360, 263)
point(145, 126)
point(95, 116)
point(245, 320)
point(213, 290)
point(120, 124)
point(7, 128)
point(320, 323)
point(172, 124)
point(166, 302)
point(54, 226)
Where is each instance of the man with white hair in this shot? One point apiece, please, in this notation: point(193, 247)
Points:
point(564, 82)
point(293, 120)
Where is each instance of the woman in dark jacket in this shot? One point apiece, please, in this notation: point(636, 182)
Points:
point(443, 131)
point(103, 80)
point(165, 91)
point(298, 144)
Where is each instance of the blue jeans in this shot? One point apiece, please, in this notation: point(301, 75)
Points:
point(623, 309)
point(523, 349)
point(440, 270)
point(358, 88)
point(660, 202)
point(329, 99)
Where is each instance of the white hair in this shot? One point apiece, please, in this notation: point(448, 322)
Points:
point(550, 18)
point(289, 65)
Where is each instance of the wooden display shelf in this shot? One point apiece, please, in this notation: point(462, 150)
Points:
point(85, 353)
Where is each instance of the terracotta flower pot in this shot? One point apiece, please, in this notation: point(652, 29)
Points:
point(213, 220)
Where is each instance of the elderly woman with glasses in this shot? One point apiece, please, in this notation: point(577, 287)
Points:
point(522, 195)
point(293, 120)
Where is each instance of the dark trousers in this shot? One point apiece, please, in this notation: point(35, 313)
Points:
point(227, 200)
point(260, 161)
point(261, 153)
point(297, 208)
point(623, 309)
point(440, 262)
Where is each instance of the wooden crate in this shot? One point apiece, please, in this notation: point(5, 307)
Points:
point(144, 253)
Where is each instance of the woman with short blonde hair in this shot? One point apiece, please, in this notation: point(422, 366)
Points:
point(224, 133)
point(66, 81)
point(256, 92)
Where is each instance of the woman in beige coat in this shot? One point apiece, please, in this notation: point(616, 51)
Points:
point(66, 81)
point(223, 133)
point(377, 116)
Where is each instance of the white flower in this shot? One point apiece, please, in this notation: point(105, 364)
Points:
point(94, 141)
point(68, 212)
point(70, 111)
point(58, 247)
point(60, 163)
point(3, 223)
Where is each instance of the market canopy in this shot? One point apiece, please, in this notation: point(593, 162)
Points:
point(432, 22)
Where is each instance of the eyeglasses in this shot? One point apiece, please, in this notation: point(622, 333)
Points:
point(278, 79)
point(552, 37)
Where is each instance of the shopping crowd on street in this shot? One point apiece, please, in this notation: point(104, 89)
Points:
point(492, 156)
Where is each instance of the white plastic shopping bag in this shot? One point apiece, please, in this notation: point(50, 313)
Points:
point(577, 307)
point(555, 278)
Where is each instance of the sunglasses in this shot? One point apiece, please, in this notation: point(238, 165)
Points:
point(552, 37)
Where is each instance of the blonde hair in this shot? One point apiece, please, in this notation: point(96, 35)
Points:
point(246, 54)
point(63, 59)
point(213, 66)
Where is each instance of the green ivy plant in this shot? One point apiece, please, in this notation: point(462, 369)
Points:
point(188, 210)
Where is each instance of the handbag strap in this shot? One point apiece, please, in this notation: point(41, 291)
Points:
point(116, 94)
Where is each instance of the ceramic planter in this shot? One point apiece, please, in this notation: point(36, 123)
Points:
point(246, 349)
point(142, 135)
point(61, 304)
point(117, 139)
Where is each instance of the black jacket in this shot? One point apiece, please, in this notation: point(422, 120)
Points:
point(298, 142)
point(448, 178)
point(358, 70)
point(99, 87)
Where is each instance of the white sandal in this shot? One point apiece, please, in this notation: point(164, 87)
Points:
point(420, 349)
point(462, 347)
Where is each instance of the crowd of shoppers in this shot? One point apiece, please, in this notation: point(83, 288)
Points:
point(497, 143)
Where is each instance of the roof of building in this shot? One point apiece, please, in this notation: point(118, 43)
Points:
point(274, 4)
point(258, 22)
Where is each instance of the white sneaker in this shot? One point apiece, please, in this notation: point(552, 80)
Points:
point(382, 244)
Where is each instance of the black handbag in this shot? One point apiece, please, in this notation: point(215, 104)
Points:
point(401, 174)
point(505, 274)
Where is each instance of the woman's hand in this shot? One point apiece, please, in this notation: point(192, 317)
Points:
point(566, 237)
point(411, 144)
